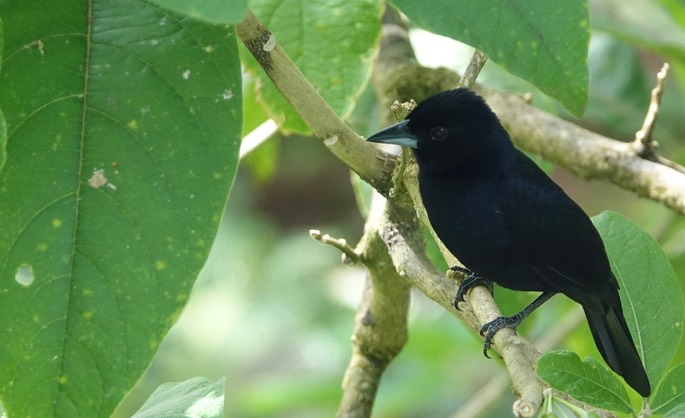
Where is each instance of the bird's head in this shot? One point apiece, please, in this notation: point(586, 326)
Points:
point(453, 129)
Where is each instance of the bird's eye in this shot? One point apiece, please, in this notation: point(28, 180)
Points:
point(439, 133)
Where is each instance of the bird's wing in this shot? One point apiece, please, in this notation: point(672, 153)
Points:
point(553, 238)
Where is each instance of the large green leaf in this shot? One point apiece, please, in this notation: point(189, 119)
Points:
point(3, 140)
point(651, 296)
point(3, 124)
point(124, 124)
point(213, 11)
point(331, 42)
point(588, 381)
point(542, 41)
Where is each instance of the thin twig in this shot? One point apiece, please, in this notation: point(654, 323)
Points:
point(478, 60)
point(644, 144)
point(349, 254)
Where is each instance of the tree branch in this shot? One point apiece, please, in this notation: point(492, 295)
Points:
point(372, 165)
point(380, 329)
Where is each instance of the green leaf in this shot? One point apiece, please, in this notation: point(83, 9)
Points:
point(212, 11)
point(2, 42)
point(3, 123)
point(196, 397)
point(544, 42)
point(588, 381)
point(650, 294)
point(671, 392)
point(332, 43)
point(556, 407)
point(3, 140)
point(123, 132)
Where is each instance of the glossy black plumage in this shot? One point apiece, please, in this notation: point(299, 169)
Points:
point(508, 222)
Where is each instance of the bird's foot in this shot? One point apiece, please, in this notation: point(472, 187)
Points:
point(490, 329)
point(471, 280)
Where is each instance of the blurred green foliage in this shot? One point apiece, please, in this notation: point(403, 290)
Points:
point(273, 310)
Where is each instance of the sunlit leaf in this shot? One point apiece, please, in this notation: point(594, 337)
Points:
point(544, 42)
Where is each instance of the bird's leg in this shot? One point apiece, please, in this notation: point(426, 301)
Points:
point(490, 329)
point(471, 280)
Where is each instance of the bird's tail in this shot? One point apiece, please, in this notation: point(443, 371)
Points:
point(614, 342)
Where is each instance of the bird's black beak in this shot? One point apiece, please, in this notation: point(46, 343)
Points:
point(396, 134)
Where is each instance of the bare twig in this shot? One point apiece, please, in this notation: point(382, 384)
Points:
point(644, 144)
point(477, 62)
point(349, 254)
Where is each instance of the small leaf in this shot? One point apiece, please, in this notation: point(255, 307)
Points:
point(671, 392)
point(544, 42)
point(588, 381)
point(650, 293)
point(333, 43)
point(212, 11)
point(196, 397)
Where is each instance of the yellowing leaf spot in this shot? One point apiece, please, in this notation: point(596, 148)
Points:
point(133, 124)
point(88, 315)
point(160, 265)
point(42, 247)
point(62, 380)
point(56, 223)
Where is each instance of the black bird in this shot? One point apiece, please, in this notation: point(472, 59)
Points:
point(509, 223)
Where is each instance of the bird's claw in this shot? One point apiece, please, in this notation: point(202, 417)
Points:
point(471, 280)
point(490, 329)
